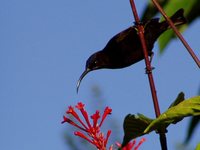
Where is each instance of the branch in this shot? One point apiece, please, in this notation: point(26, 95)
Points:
point(187, 46)
point(140, 27)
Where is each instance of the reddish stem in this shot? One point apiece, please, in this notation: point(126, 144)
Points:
point(146, 58)
point(187, 46)
point(140, 27)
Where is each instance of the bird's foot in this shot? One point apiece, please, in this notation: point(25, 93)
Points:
point(149, 70)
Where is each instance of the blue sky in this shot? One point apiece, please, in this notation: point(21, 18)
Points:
point(44, 46)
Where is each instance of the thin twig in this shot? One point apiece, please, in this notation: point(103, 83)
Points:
point(140, 27)
point(187, 46)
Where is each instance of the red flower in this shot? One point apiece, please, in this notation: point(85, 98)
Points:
point(131, 145)
point(92, 130)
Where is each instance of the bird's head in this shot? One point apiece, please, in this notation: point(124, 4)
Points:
point(96, 61)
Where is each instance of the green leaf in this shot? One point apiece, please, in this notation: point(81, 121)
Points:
point(151, 10)
point(191, 9)
point(189, 12)
point(194, 122)
point(134, 126)
point(198, 147)
point(179, 99)
point(192, 126)
point(190, 107)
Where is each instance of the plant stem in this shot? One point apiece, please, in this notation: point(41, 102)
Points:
point(140, 27)
point(187, 46)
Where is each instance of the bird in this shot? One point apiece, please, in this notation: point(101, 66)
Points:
point(125, 49)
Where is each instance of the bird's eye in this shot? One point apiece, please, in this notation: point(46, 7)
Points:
point(95, 62)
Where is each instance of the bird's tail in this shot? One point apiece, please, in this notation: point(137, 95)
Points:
point(178, 19)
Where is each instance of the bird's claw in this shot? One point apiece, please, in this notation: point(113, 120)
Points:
point(149, 70)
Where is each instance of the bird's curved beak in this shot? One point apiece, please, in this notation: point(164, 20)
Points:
point(81, 77)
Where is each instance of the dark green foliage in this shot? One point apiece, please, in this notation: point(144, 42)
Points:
point(134, 126)
point(192, 126)
point(189, 107)
point(179, 99)
point(138, 125)
point(194, 122)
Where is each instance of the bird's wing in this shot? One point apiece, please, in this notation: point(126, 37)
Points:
point(122, 35)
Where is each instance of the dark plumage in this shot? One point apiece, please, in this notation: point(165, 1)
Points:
point(125, 49)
